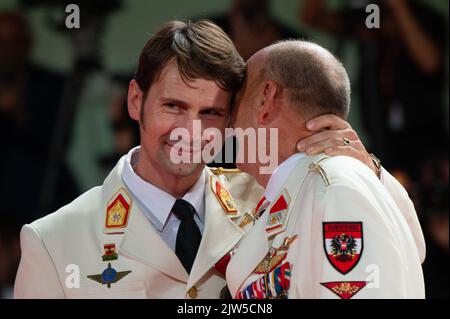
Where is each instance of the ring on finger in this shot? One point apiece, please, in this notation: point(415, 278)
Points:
point(346, 141)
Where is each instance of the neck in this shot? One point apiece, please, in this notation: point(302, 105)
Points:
point(285, 150)
point(287, 147)
point(173, 184)
point(263, 180)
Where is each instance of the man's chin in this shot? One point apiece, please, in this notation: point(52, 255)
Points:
point(185, 169)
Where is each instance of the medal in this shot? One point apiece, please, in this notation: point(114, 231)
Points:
point(109, 276)
point(274, 257)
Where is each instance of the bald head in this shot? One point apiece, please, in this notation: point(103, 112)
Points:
point(314, 82)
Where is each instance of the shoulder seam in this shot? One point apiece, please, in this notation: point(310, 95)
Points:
point(41, 238)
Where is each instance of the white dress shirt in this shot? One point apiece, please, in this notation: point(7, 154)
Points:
point(280, 176)
point(157, 204)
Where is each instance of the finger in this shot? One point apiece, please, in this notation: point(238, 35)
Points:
point(319, 137)
point(344, 151)
point(327, 121)
point(321, 146)
point(359, 146)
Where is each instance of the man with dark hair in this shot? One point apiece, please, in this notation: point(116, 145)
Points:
point(140, 234)
point(156, 228)
point(326, 227)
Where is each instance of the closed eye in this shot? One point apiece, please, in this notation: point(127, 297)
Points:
point(213, 112)
point(172, 107)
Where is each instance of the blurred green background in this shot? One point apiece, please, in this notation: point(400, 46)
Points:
point(127, 30)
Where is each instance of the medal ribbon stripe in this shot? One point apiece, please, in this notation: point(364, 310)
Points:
point(272, 285)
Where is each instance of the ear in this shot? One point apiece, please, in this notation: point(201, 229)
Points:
point(135, 98)
point(268, 107)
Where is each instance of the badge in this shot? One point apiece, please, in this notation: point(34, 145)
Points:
point(252, 217)
point(345, 289)
point(278, 215)
point(110, 252)
point(274, 257)
point(343, 243)
point(274, 285)
point(118, 210)
point(224, 197)
point(249, 217)
point(262, 205)
point(109, 276)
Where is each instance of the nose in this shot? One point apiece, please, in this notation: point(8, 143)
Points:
point(192, 124)
point(191, 132)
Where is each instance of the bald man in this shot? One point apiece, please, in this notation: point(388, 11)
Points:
point(326, 227)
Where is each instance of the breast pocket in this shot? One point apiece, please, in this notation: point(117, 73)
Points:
point(129, 290)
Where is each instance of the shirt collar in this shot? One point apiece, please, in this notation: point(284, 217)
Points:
point(157, 203)
point(280, 175)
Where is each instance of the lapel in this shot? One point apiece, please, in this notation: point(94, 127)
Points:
point(255, 245)
point(220, 233)
point(251, 251)
point(145, 245)
point(138, 239)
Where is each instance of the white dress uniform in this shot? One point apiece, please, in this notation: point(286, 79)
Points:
point(331, 230)
point(107, 235)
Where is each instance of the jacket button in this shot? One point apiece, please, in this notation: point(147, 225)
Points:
point(193, 293)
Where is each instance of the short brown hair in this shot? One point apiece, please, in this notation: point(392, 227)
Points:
point(201, 50)
point(315, 81)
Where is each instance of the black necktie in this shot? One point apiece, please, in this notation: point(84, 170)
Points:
point(188, 236)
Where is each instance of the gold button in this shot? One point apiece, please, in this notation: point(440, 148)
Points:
point(193, 293)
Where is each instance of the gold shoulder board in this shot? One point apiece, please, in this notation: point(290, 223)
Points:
point(223, 171)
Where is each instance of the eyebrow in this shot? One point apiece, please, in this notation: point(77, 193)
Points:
point(213, 108)
point(174, 101)
point(186, 105)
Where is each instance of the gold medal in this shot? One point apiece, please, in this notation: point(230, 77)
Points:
point(274, 257)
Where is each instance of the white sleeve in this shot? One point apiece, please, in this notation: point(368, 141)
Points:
point(406, 206)
point(37, 276)
point(377, 250)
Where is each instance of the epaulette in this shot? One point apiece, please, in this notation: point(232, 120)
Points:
point(222, 171)
point(318, 168)
point(224, 197)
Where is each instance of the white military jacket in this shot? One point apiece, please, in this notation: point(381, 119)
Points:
point(102, 246)
point(333, 231)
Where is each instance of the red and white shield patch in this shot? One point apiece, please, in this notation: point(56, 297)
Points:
point(278, 214)
point(343, 243)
